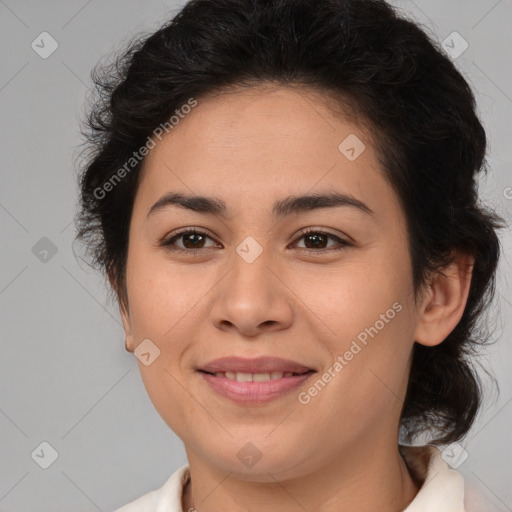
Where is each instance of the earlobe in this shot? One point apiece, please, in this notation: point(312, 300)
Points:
point(125, 318)
point(443, 305)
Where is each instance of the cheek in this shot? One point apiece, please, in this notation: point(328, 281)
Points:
point(350, 296)
point(370, 363)
point(167, 305)
point(162, 310)
point(363, 313)
point(163, 296)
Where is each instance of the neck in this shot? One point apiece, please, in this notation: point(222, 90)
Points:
point(372, 480)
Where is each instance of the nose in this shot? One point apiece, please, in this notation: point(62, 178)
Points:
point(252, 298)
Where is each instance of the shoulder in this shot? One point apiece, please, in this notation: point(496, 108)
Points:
point(165, 499)
point(479, 498)
point(145, 503)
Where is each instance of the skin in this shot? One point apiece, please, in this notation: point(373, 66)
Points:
point(339, 451)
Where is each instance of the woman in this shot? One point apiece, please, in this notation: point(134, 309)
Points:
point(282, 196)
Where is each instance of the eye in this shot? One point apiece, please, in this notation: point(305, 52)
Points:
point(194, 240)
point(316, 238)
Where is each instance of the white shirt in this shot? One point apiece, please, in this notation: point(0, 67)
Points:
point(442, 488)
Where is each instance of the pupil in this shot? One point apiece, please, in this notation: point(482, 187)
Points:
point(315, 237)
point(187, 239)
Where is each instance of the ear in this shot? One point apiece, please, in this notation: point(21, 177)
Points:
point(444, 301)
point(125, 317)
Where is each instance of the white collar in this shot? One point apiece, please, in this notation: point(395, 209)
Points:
point(442, 489)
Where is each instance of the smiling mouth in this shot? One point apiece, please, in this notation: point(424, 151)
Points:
point(256, 377)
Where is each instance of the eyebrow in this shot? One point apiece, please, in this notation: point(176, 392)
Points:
point(283, 207)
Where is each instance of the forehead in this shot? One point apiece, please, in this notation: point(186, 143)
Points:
point(260, 143)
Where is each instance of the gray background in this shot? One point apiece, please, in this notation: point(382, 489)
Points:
point(65, 377)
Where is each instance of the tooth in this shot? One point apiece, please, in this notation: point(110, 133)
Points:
point(261, 377)
point(253, 377)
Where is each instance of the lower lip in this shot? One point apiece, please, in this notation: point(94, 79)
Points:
point(253, 393)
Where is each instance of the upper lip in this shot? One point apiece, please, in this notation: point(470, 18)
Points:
point(264, 364)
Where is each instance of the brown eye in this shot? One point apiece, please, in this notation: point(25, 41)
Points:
point(192, 240)
point(195, 239)
point(315, 239)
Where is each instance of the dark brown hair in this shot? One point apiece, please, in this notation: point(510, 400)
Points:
point(381, 67)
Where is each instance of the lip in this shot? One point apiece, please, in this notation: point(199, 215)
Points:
point(261, 364)
point(254, 393)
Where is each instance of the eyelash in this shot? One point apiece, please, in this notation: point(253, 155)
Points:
point(168, 243)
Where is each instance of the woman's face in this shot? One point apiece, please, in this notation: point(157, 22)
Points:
point(338, 301)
